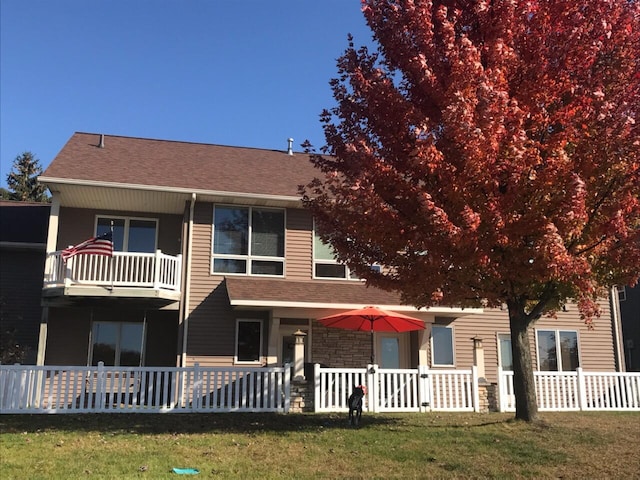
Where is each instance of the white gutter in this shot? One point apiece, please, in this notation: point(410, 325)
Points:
point(187, 284)
point(167, 189)
point(351, 306)
point(617, 329)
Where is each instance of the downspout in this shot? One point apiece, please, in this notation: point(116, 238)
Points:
point(617, 330)
point(187, 283)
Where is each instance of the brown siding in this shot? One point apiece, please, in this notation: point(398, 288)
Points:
point(212, 321)
point(595, 346)
point(68, 336)
point(299, 245)
point(211, 325)
point(20, 290)
point(76, 225)
point(161, 341)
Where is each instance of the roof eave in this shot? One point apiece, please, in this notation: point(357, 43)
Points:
point(206, 195)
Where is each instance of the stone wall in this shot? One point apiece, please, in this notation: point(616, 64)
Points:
point(301, 396)
point(488, 396)
point(337, 348)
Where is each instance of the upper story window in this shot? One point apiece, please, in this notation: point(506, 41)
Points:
point(325, 264)
point(130, 234)
point(248, 240)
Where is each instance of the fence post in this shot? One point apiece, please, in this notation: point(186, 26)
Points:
point(424, 394)
point(501, 390)
point(582, 389)
point(68, 269)
point(156, 269)
point(195, 388)
point(101, 387)
point(372, 387)
point(475, 389)
point(318, 401)
point(287, 387)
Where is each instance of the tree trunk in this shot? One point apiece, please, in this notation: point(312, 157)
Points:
point(523, 381)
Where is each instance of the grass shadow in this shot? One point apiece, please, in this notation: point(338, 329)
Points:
point(185, 423)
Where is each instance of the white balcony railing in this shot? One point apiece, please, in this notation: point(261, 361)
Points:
point(124, 269)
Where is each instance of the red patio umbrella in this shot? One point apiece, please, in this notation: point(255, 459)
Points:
point(374, 320)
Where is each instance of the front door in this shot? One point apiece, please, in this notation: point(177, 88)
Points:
point(391, 350)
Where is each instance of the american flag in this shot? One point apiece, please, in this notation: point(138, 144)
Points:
point(102, 245)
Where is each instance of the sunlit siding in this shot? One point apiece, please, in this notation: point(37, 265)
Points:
point(78, 224)
point(211, 324)
point(299, 241)
point(484, 326)
point(595, 345)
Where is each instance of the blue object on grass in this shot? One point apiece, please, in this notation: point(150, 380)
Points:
point(186, 471)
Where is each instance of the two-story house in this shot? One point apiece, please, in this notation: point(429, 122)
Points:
point(216, 263)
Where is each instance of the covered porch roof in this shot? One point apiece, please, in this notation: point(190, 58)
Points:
point(315, 298)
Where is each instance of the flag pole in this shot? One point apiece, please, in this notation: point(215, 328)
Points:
point(111, 257)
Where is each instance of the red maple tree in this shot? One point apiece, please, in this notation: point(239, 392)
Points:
point(487, 154)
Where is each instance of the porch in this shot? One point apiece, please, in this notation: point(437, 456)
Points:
point(125, 274)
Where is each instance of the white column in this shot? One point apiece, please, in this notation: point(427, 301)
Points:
point(478, 356)
point(272, 348)
point(298, 355)
point(52, 240)
point(423, 345)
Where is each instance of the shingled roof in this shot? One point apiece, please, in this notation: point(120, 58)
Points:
point(174, 164)
point(242, 290)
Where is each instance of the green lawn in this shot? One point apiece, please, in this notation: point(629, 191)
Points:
point(435, 445)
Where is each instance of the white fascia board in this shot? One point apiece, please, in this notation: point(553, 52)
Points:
point(167, 189)
point(352, 306)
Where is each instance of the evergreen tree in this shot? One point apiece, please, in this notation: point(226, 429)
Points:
point(22, 180)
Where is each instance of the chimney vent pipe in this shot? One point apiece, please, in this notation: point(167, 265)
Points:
point(290, 146)
point(101, 144)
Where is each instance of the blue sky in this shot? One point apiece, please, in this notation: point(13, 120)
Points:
point(250, 73)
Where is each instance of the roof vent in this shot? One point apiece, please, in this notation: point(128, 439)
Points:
point(101, 144)
point(290, 146)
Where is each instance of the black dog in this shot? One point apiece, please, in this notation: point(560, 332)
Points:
point(355, 405)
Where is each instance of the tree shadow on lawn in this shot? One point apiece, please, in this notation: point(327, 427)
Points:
point(187, 423)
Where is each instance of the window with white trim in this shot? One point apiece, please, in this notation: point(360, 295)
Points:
point(325, 264)
point(622, 292)
point(248, 240)
point(117, 343)
point(505, 358)
point(130, 234)
point(442, 353)
point(550, 342)
point(248, 341)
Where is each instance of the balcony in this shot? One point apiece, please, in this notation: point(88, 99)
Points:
point(124, 275)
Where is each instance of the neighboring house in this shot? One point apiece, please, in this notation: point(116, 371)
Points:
point(629, 301)
point(216, 263)
point(23, 239)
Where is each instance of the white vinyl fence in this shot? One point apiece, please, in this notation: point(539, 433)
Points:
point(579, 390)
point(76, 389)
point(54, 389)
point(397, 390)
